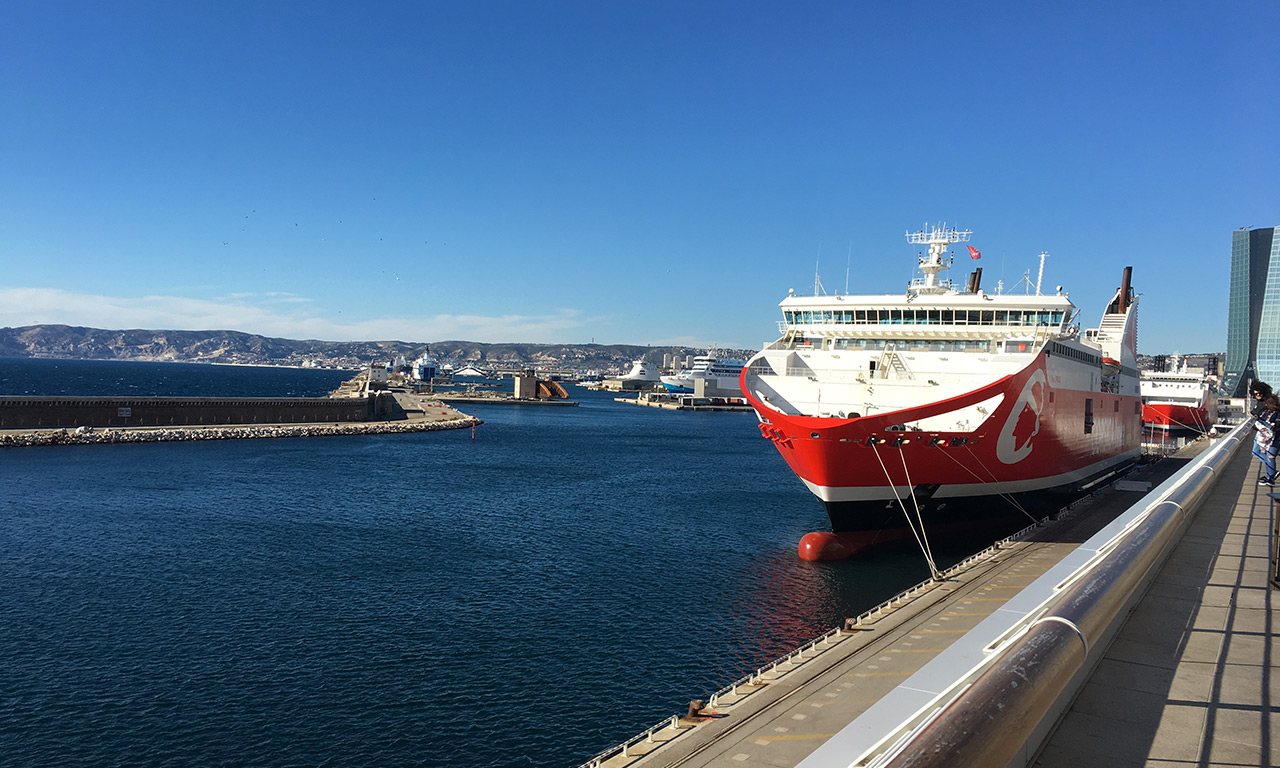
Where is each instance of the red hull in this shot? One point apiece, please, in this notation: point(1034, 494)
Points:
point(1171, 416)
point(1038, 439)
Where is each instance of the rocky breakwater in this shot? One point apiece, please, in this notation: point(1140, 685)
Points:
point(107, 435)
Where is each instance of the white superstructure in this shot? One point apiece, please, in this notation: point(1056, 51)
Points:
point(848, 356)
point(642, 370)
point(721, 373)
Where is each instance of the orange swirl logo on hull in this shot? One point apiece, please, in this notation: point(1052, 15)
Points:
point(1014, 443)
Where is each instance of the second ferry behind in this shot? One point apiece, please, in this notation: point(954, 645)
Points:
point(930, 409)
point(1179, 400)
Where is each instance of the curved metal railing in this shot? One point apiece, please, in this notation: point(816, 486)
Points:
point(991, 715)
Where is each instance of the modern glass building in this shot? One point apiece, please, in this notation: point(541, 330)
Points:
point(1253, 311)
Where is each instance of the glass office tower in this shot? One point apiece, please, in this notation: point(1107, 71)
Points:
point(1253, 311)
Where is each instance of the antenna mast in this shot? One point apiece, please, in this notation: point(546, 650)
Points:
point(1040, 277)
point(847, 264)
point(937, 237)
point(817, 282)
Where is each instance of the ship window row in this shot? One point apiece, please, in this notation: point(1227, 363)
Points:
point(1075, 354)
point(914, 345)
point(923, 317)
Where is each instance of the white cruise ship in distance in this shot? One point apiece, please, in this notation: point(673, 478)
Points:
point(642, 370)
point(721, 373)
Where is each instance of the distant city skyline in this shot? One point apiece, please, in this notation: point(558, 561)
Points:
point(659, 173)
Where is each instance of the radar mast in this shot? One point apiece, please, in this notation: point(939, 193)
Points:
point(938, 237)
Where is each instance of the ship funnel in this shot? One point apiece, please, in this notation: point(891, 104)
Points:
point(1124, 288)
point(1124, 297)
point(975, 280)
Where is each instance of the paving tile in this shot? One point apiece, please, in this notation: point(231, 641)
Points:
point(1085, 740)
point(1193, 682)
point(1248, 684)
point(1249, 728)
point(1255, 597)
point(1140, 677)
point(1121, 704)
point(1254, 620)
point(1224, 752)
point(1251, 649)
point(1179, 735)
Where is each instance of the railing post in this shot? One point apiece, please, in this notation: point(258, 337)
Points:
point(1275, 540)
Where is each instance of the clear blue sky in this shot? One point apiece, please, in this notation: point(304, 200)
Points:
point(628, 172)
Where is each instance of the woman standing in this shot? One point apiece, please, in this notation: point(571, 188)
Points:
point(1264, 443)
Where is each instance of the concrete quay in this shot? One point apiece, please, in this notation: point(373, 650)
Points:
point(683, 402)
point(498, 399)
point(1186, 681)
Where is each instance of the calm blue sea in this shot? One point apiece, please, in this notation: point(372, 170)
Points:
point(528, 597)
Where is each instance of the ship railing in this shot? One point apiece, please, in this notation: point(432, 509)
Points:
point(920, 282)
point(828, 375)
point(748, 683)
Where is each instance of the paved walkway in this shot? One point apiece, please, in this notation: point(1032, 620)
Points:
point(1189, 681)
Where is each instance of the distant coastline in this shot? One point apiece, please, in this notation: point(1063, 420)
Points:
point(65, 342)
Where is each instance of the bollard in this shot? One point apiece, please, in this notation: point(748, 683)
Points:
point(696, 706)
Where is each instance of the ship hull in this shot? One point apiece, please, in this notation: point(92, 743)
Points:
point(1196, 418)
point(1048, 438)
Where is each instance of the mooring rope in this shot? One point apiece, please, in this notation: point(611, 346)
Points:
point(929, 560)
point(928, 551)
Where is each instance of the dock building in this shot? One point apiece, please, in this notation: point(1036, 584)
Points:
point(1253, 310)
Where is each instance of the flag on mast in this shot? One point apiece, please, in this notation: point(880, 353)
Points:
point(974, 253)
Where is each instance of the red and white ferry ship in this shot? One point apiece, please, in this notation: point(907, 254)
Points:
point(1179, 400)
point(934, 407)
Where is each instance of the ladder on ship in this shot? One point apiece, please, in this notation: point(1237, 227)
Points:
point(1112, 326)
point(890, 359)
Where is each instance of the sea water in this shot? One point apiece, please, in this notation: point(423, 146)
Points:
point(526, 595)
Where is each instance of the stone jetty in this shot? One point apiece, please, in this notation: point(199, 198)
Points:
point(107, 435)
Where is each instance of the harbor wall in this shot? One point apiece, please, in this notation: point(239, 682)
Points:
point(55, 412)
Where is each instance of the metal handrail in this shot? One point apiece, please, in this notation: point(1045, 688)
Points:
point(991, 715)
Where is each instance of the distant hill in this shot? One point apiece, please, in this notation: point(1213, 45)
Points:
point(73, 342)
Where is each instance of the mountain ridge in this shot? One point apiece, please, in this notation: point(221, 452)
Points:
point(241, 348)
